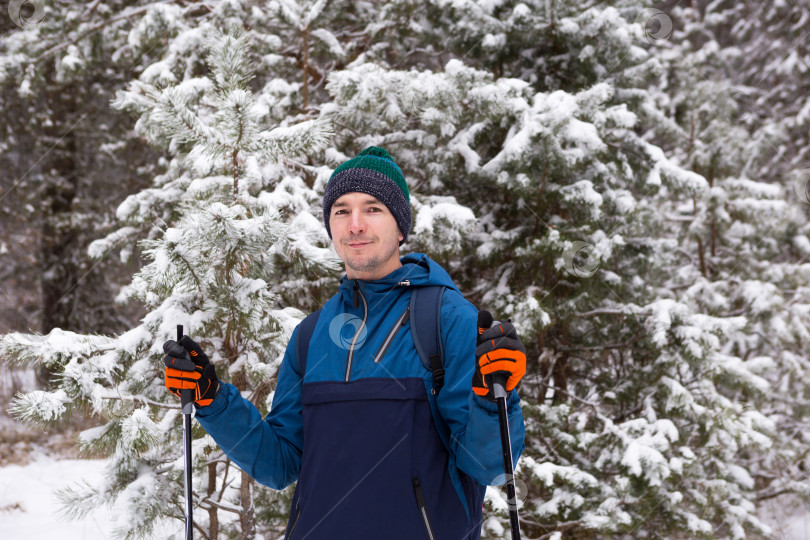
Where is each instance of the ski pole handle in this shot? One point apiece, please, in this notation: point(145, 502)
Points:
point(179, 358)
point(187, 395)
point(496, 380)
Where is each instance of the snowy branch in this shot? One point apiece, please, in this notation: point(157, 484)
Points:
point(95, 28)
point(142, 399)
point(222, 506)
point(598, 312)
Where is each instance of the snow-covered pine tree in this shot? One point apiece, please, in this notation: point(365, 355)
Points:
point(736, 84)
point(224, 214)
point(167, 42)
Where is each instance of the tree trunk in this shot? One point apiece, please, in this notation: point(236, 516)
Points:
point(247, 519)
point(213, 518)
point(59, 235)
point(305, 67)
point(560, 373)
point(701, 256)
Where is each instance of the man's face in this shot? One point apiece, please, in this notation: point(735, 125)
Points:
point(365, 235)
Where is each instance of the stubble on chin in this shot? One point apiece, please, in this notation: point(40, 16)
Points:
point(367, 265)
point(363, 266)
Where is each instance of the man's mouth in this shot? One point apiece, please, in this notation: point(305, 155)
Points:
point(357, 245)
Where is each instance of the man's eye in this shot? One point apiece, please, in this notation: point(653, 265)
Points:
point(338, 212)
point(374, 209)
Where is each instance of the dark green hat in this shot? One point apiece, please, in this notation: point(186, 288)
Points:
point(374, 172)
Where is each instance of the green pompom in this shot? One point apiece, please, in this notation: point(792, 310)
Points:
point(377, 152)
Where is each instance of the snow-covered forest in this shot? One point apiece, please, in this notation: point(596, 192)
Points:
point(625, 180)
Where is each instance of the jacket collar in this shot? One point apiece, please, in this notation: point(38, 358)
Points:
point(417, 270)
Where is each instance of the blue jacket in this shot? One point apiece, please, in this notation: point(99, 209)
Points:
point(374, 453)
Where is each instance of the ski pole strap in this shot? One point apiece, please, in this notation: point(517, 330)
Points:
point(426, 307)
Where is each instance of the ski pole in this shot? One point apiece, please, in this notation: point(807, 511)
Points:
point(497, 381)
point(187, 403)
point(499, 390)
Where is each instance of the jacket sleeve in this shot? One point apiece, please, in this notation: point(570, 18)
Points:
point(269, 449)
point(473, 421)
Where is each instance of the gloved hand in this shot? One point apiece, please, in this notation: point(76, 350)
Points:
point(499, 350)
point(199, 375)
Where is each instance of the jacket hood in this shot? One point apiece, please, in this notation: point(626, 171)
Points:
point(417, 270)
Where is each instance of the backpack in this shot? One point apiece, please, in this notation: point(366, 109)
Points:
point(425, 319)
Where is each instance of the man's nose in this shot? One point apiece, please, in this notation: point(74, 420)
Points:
point(357, 223)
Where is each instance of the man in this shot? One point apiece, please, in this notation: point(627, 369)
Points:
point(379, 447)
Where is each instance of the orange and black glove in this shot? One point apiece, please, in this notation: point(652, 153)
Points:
point(499, 351)
point(188, 368)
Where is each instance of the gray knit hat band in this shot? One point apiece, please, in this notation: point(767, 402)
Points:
point(374, 183)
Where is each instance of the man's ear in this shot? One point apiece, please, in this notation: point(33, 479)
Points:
point(401, 237)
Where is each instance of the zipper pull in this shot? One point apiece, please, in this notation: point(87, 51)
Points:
point(406, 283)
point(354, 294)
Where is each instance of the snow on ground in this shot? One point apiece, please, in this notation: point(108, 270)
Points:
point(788, 517)
point(28, 505)
point(798, 528)
point(29, 509)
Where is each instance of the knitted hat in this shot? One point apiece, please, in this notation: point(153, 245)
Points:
point(374, 172)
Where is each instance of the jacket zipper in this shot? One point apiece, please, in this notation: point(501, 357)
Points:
point(390, 337)
point(420, 501)
point(297, 517)
point(359, 329)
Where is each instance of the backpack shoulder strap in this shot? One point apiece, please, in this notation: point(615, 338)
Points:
point(426, 306)
point(305, 330)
